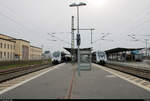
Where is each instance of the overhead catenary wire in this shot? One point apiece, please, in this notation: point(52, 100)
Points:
point(11, 16)
point(139, 27)
point(59, 38)
point(20, 25)
point(12, 20)
point(136, 39)
point(102, 38)
point(139, 17)
point(20, 17)
point(139, 20)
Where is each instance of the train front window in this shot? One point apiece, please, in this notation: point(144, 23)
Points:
point(56, 54)
point(100, 54)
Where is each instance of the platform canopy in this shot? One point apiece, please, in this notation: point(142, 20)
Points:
point(116, 50)
point(76, 49)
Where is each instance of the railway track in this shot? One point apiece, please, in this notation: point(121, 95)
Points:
point(20, 71)
point(138, 72)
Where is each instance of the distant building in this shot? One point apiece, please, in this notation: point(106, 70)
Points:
point(17, 49)
point(35, 53)
point(7, 48)
point(46, 55)
point(143, 51)
point(124, 54)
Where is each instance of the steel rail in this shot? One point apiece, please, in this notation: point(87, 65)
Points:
point(20, 71)
point(138, 72)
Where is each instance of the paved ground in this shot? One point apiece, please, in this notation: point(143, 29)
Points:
point(60, 83)
point(53, 84)
point(103, 85)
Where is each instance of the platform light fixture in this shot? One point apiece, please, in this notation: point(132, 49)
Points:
point(78, 35)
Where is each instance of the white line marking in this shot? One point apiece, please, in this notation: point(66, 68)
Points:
point(137, 84)
point(21, 83)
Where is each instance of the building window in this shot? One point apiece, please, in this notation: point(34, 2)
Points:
point(5, 45)
point(8, 55)
point(8, 46)
point(1, 55)
point(1, 45)
point(5, 55)
point(11, 55)
point(11, 46)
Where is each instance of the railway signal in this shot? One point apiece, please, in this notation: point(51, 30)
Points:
point(78, 39)
point(91, 29)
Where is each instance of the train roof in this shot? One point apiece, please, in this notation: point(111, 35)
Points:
point(62, 52)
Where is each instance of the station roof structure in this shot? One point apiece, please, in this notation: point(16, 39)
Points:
point(116, 50)
point(76, 49)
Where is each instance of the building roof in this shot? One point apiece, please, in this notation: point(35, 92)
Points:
point(115, 50)
point(35, 47)
point(7, 39)
point(22, 40)
point(7, 36)
point(14, 38)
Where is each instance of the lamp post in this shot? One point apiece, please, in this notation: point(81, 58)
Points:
point(146, 41)
point(78, 34)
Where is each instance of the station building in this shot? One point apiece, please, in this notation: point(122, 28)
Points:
point(35, 53)
point(7, 48)
point(17, 49)
point(124, 54)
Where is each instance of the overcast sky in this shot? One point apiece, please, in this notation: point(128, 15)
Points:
point(33, 19)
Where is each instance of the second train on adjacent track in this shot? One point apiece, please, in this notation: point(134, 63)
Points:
point(99, 57)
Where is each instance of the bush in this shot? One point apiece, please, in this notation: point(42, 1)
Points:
point(7, 63)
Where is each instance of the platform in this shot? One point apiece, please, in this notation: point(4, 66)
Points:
point(61, 82)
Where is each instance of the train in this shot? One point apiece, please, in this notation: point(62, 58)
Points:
point(99, 57)
point(58, 57)
point(68, 58)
